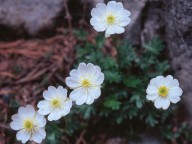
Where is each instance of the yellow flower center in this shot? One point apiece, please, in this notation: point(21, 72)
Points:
point(55, 103)
point(110, 19)
point(163, 91)
point(28, 124)
point(86, 83)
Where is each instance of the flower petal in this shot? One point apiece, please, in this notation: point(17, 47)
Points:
point(55, 115)
point(72, 82)
point(98, 25)
point(118, 7)
point(119, 29)
point(111, 5)
point(166, 103)
point(174, 83)
point(67, 104)
point(157, 82)
point(89, 100)
point(50, 93)
point(162, 103)
point(16, 124)
point(75, 74)
point(15, 117)
point(77, 93)
point(82, 99)
point(99, 11)
point(38, 135)
point(123, 14)
point(23, 135)
point(152, 97)
point(52, 89)
point(65, 112)
point(110, 30)
point(107, 35)
point(95, 92)
point(44, 107)
point(41, 121)
point(99, 79)
point(175, 91)
point(91, 69)
point(81, 68)
point(124, 22)
point(152, 90)
point(167, 80)
point(174, 99)
point(28, 111)
point(158, 103)
point(62, 92)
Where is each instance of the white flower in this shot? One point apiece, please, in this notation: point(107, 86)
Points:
point(111, 18)
point(163, 90)
point(86, 81)
point(56, 103)
point(30, 125)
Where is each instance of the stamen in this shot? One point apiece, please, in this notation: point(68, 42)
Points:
point(86, 83)
point(163, 91)
point(55, 103)
point(110, 19)
point(28, 124)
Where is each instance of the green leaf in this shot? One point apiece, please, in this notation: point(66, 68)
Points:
point(162, 67)
point(80, 34)
point(151, 120)
point(100, 39)
point(139, 101)
point(112, 76)
point(87, 111)
point(126, 54)
point(14, 104)
point(112, 103)
point(155, 46)
point(132, 81)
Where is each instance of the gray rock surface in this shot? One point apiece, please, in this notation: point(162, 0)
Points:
point(171, 20)
point(152, 24)
point(148, 139)
point(145, 139)
point(145, 20)
point(133, 30)
point(29, 16)
point(178, 15)
point(116, 140)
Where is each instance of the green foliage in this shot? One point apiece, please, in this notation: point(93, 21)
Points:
point(54, 134)
point(184, 131)
point(123, 101)
point(112, 103)
point(80, 34)
point(155, 46)
point(14, 104)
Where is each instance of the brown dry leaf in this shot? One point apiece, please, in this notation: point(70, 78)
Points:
point(28, 67)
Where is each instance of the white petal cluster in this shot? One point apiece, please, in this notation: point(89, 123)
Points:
point(111, 18)
point(30, 125)
point(86, 83)
point(163, 90)
point(56, 103)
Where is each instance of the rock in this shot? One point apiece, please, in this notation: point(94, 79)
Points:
point(93, 2)
point(153, 26)
point(145, 139)
point(178, 17)
point(29, 16)
point(146, 22)
point(148, 139)
point(133, 30)
point(116, 140)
